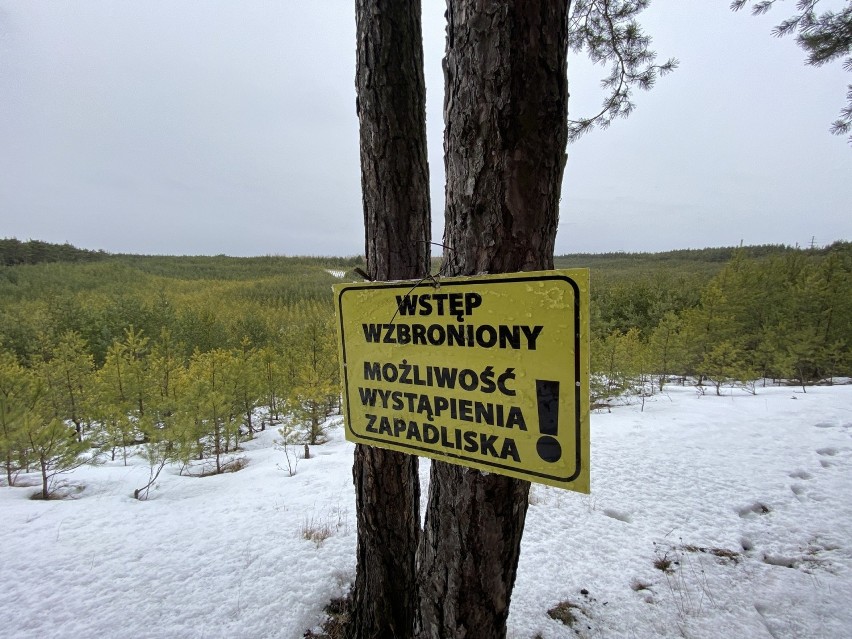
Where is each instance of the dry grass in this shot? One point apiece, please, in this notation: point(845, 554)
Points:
point(336, 622)
point(315, 530)
point(564, 612)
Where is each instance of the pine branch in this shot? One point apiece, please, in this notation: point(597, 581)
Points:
point(824, 37)
point(609, 34)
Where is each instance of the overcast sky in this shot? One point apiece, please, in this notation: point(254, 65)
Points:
point(206, 127)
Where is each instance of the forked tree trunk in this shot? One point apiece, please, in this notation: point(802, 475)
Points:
point(505, 113)
point(395, 185)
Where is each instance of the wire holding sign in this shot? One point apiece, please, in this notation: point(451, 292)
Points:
point(489, 372)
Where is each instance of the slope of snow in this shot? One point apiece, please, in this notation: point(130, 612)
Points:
point(744, 499)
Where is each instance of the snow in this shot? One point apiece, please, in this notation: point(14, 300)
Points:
point(746, 499)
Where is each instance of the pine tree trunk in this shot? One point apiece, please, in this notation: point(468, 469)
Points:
point(217, 443)
point(505, 111)
point(45, 482)
point(9, 479)
point(395, 186)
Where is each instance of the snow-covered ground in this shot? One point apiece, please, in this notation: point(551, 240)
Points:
point(745, 500)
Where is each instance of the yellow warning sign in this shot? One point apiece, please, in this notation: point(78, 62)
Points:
point(490, 372)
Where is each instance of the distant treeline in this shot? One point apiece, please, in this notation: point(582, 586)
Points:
point(713, 254)
point(13, 252)
point(704, 262)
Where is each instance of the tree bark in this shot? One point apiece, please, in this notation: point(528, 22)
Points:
point(45, 493)
point(391, 106)
point(505, 111)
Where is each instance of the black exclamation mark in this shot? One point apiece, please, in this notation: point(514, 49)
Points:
point(547, 446)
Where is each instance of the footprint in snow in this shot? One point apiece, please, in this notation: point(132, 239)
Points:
point(779, 560)
point(756, 508)
point(619, 515)
point(825, 425)
point(798, 489)
point(825, 456)
point(804, 493)
point(800, 474)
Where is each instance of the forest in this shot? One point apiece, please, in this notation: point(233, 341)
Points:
point(182, 358)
